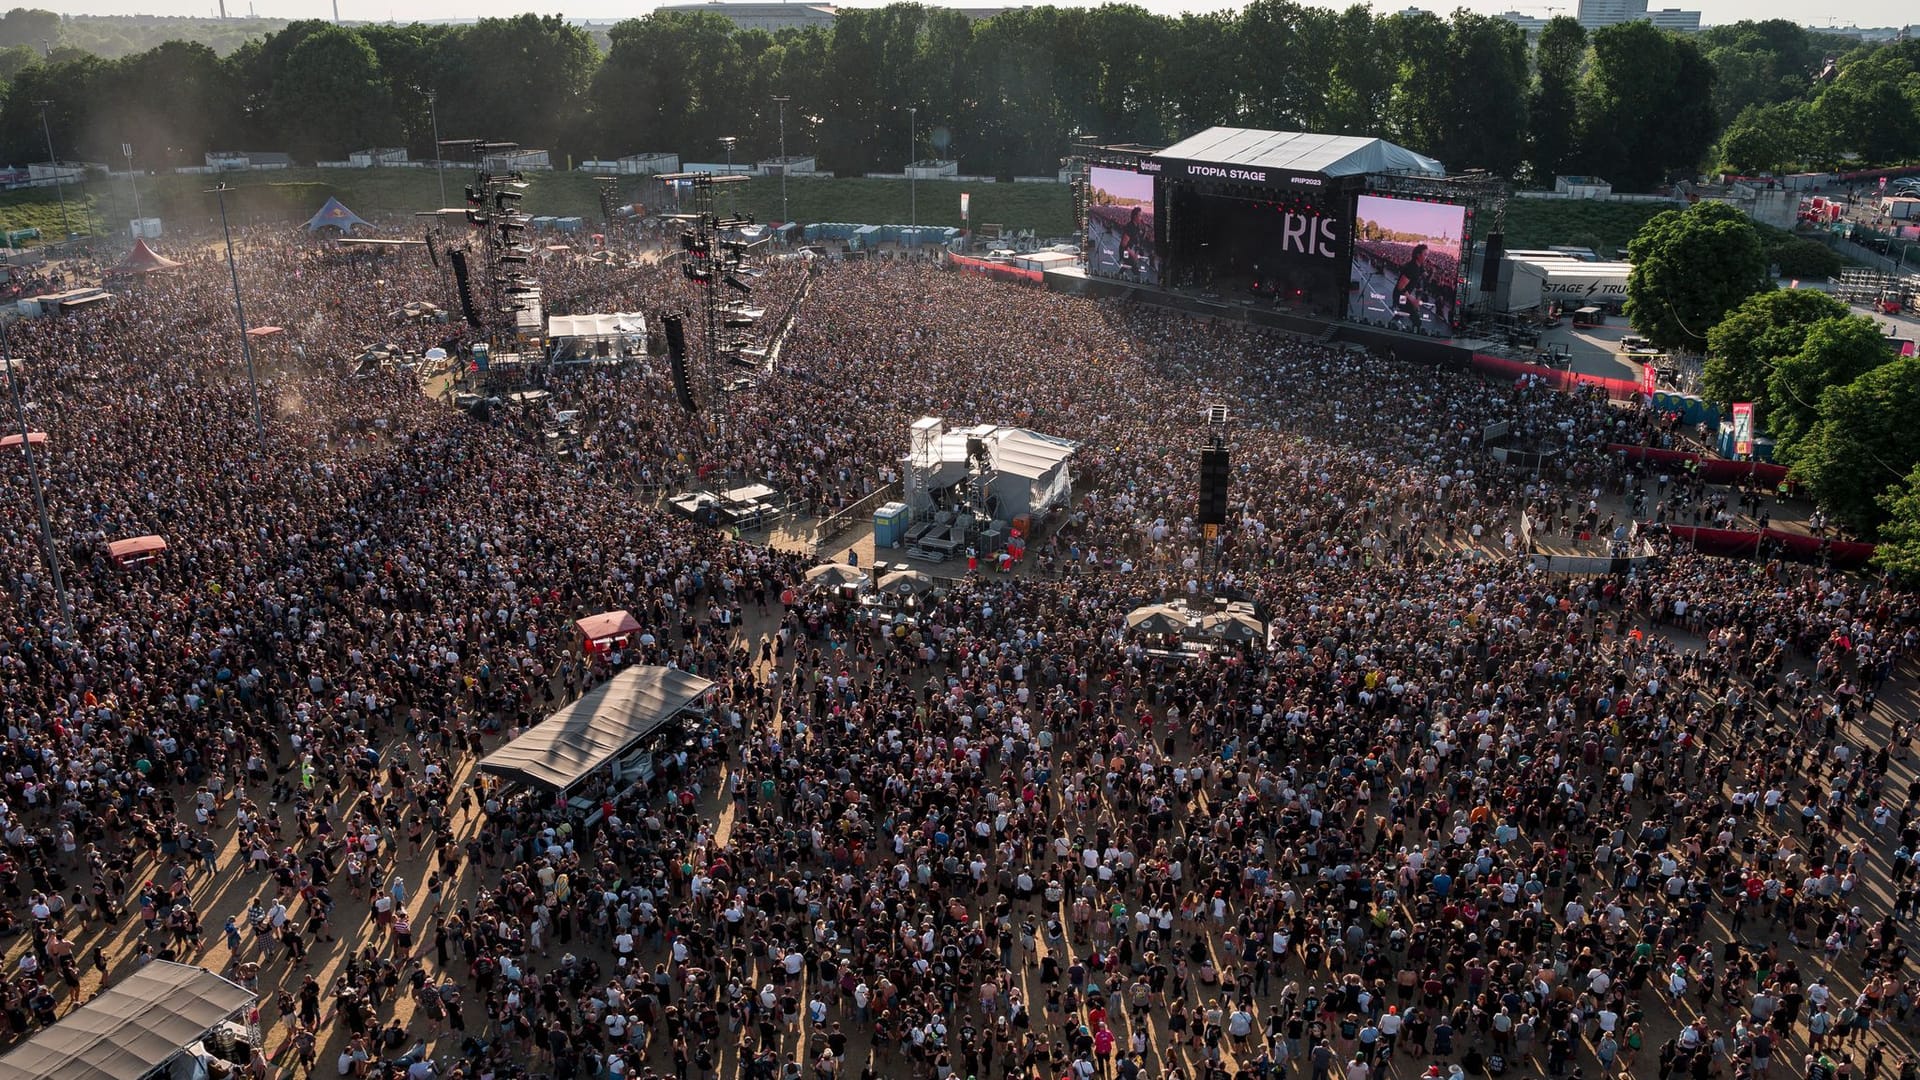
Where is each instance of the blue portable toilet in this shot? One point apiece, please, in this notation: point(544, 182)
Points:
point(889, 525)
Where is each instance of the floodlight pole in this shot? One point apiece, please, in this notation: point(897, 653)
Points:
point(240, 313)
point(781, 100)
point(59, 181)
point(439, 166)
point(134, 183)
point(913, 174)
point(33, 476)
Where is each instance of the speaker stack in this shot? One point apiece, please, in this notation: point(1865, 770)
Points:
point(1213, 486)
point(676, 333)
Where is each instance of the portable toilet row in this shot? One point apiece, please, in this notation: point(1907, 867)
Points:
point(569, 224)
point(545, 222)
point(1691, 407)
point(829, 230)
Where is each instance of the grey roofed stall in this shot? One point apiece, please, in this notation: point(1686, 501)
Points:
point(608, 720)
point(1300, 151)
point(133, 1028)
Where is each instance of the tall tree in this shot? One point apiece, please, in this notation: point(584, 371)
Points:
point(1286, 52)
point(1743, 347)
point(1835, 353)
point(1646, 107)
point(1768, 138)
point(1553, 106)
point(523, 79)
point(1861, 443)
point(1691, 267)
point(661, 88)
point(1873, 107)
point(1419, 112)
point(1758, 64)
point(1487, 125)
point(1898, 552)
point(330, 97)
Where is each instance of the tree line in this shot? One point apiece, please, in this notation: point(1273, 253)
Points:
point(1826, 383)
point(1006, 95)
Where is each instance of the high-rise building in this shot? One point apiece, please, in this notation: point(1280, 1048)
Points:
point(1594, 14)
point(1685, 22)
point(1531, 24)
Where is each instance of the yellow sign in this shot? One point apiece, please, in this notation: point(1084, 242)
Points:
point(1211, 532)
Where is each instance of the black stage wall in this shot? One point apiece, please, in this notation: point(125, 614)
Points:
point(1414, 348)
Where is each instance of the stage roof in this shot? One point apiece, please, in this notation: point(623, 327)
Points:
point(1300, 152)
point(131, 1028)
point(569, 745)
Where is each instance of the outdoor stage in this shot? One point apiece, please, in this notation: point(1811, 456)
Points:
point(1336, 237)
point(1404, 345)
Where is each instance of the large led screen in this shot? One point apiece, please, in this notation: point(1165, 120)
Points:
point(1406, 264)
point(1120, 225)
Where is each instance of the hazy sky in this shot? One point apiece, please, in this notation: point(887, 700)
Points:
point(1861, 12)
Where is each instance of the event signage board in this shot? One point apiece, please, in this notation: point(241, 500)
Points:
point(1742, 428)
point(1220, 172)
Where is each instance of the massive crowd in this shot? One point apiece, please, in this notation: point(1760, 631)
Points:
point(1454, 817)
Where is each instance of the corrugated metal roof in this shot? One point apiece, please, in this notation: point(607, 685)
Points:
point(1300, 151)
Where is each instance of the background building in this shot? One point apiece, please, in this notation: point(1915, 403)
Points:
point(1594, 14)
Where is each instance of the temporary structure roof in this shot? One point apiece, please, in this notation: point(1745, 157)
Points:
point(569, 745)
point(1300, 151)
point(596, 326)
point(336, 215)
point(137, 547)
point(132, 1028)
point(607, 624)
point(144, 260)
point(1029, 454)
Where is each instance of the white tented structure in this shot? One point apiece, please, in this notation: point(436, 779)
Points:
point(996, 473)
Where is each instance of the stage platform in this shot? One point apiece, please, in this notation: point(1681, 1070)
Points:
point(1321, 328)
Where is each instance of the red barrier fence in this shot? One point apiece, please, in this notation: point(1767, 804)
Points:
point(1003, 271)
point(1500, 366)
point(1845, 554)
point(1712, 470)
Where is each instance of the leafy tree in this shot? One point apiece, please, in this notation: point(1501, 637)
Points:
point(1553, 105)
point(15, 59)
point(523, 79)
point(1758, 64)
point(1487, 124)
point(1834, 354)
point(71, 86)
point(174, 103)
point(1768, 138)
point(1743, 347)
point(1361, 87)
point(1862, 443)
point(331, 97)
point(1287, 65)
point(1899, 549)
point(1800, 257)
point(660, 88)
point(1423, 92)
point(1873, 107)
point(31, 27)
point(1198, 98)
point(1646, 109)
point(1691, 267)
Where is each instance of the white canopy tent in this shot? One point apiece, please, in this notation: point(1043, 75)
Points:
point(133, 1029)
